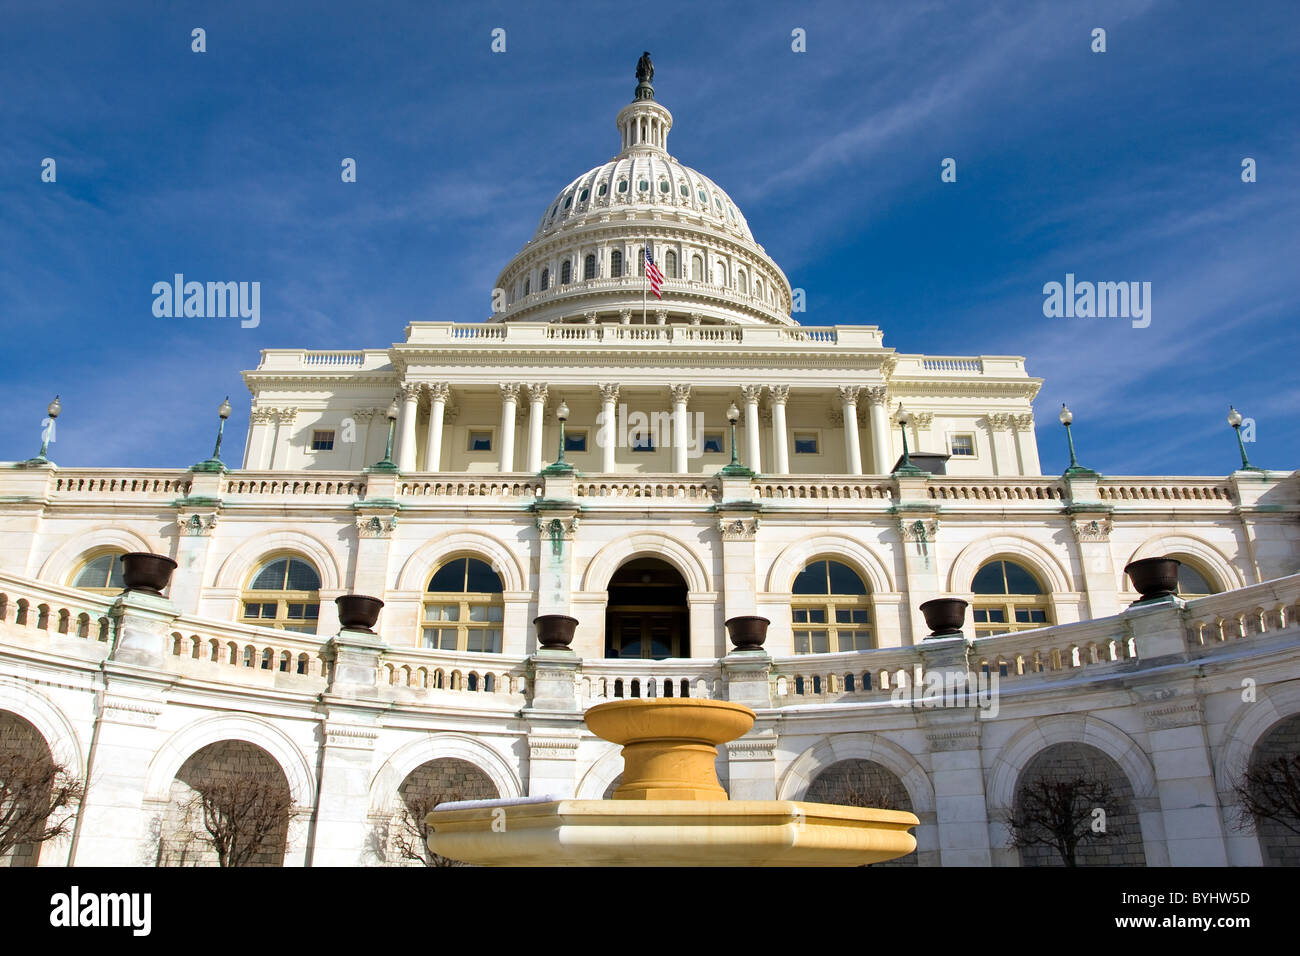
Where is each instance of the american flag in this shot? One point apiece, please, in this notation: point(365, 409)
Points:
point(652, 270)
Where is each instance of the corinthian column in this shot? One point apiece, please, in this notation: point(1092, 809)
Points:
point(536, 406)
point(780, 438)
point(681, 395)
point(438, 392)
point(752, 456)
point(608, 435)
point(406, 427)
point(849, 407)
point(509, 400)
point(877, 396)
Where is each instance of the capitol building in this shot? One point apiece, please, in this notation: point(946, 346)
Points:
point(651, 463)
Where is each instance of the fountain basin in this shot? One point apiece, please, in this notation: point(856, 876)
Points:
point(670, 833)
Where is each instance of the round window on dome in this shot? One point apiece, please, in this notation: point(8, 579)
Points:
point(582, 196)
point(602, 190)
point(643, 185)
point(622, 185)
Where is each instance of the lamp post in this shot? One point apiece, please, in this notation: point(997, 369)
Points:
point(735, 469)
point(904, 418)
point(215, 463)
point(1075, 469)
point(47, 433)
point(560, 466)
point(1235, 420)
point(387, 463)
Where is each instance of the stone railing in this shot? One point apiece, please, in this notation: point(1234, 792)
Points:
point(157, 483)
point(525, 486)
point(611, 679)
point(619, 336)
point(797, 488)
point(354, 359)
point(659, 487)
point(31, 610)
point(430, 673)
point(1119, 491)
point(272, 483)
point(245, 654)
point(952, 488)
point(1248, 612)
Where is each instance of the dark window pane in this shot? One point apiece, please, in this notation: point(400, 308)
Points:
point(817, 615)
point(1191, 581)
point(482, 579)
point(450, 577)
point(271, 577)
point(575, 441)
point(302, 576)
point(844, 580)
point(988, 580)
point(1020, 581)
point(297, 611)
point(811, 580)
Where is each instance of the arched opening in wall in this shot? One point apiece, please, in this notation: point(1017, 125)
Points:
point(463, 608)
point(36, 804)
point(284, 593)
point(1268, 793)
point(589, 267)
point(1074, 807)
point(1008, 597)
point(404, 838)
point(616, 263)
point(647, 616)
point(670, 264)
point(862, 783)
point(546, 279)
point(1193, 580)
point(230, 805)
point(697, 269)
point(566, 272)
point(830, 609)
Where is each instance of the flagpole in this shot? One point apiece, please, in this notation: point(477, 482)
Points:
point(645, 278)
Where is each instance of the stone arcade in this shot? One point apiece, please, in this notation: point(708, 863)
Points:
point(242, 666)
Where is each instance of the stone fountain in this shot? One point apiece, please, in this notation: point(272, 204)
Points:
point(670, 809)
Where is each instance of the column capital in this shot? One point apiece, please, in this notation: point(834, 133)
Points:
point(510, 391)
point(681, 393)
point(751, 393)
point(849, 394)
point(999, 421)
point(779, 394)
point(410, 391)
point(537, 392)
point(609, 392)
point(923, 419)
point(1090, 528)
point(259, 415)
point(438, 391)
point(1023, 423)
point(876, 394)
point(283, 415)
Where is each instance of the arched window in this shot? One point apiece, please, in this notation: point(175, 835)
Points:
point(830, 608)
point(721, 275)
point(616, 263)
point(1008, 598)
point(528, 286)
point(742, 285)
point(589, 267)
point(101, 573)
point(640, 259)
point(1192, 582)
point(546, 279)
point(670, 264)
point(463, 608)
point(284, 594)
point(697, 268)
point(566, 272)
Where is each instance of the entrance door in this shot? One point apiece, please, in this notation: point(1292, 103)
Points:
point(647, 615)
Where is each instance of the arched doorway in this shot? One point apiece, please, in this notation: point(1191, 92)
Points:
point(647, 617)
point(1269, 786)
point(24, 754)
point(862, 783)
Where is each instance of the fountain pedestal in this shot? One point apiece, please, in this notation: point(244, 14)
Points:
point(670, 809)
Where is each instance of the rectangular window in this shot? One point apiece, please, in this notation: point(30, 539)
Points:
point(963, 446)
point(322, 440)
point(575, 441)
point(805, 443)
point(642, 442)
point(480, 441)
point(714, 443)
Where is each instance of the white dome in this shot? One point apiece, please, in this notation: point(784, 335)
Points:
point(584, 261)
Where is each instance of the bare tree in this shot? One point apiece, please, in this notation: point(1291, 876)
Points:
point(858, 791)
point(38, 799)
point(409, 833)
point(1270, 790)
point(1058, 813)
point(243, 816)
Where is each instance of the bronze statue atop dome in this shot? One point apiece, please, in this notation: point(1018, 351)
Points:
point(645, 70)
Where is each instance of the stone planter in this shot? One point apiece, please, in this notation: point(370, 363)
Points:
point(358, 612)
point(944, 616)
point(1154, 578)
point(147, 573)
point(747, 632)
point(555, 631)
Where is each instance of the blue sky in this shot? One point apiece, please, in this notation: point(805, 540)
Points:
point(1115, 166)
